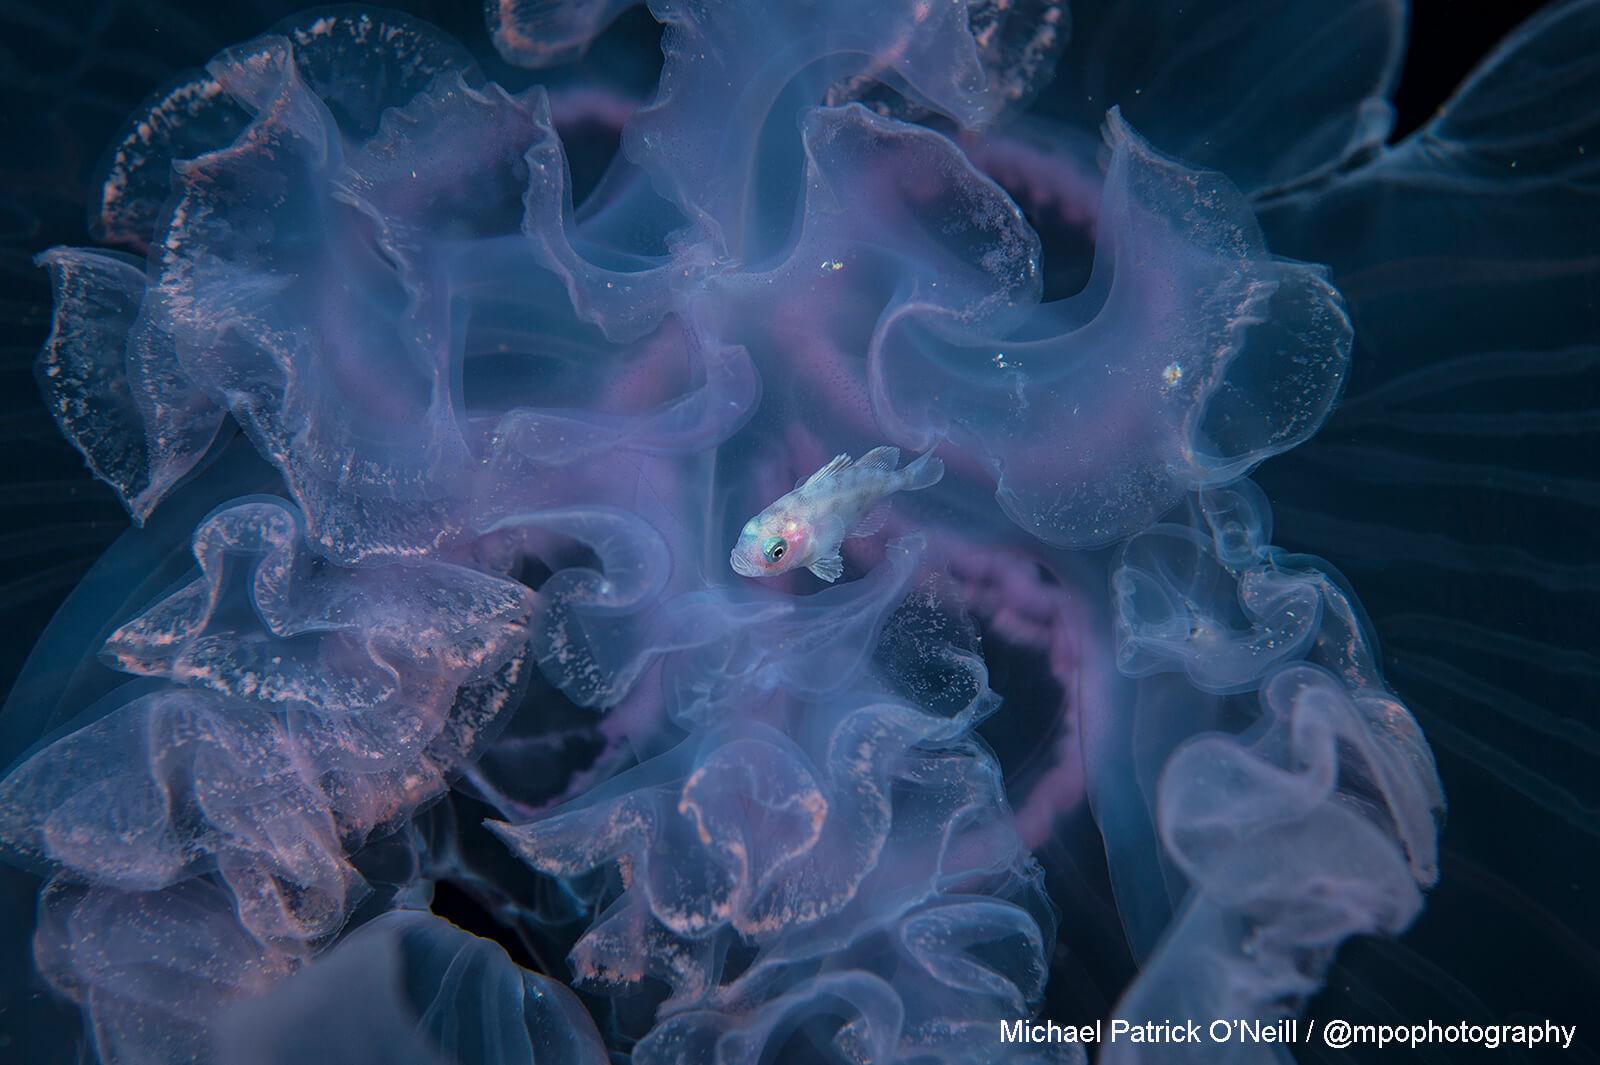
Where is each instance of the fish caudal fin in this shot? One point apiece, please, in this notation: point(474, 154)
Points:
point(923, 472)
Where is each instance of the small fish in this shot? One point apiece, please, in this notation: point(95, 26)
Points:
point(843, 499)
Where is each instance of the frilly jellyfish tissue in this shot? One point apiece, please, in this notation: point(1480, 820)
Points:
point(439, 380)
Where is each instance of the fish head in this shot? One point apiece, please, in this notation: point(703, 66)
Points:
point(771, 544)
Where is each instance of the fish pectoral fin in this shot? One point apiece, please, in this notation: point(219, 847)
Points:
point(829, 569)
point(874, 520)
point(833, 466)
point(879, 458)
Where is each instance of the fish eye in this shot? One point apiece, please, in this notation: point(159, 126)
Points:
point(774, 548)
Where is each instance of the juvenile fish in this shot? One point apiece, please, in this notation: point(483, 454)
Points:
point(843, 499)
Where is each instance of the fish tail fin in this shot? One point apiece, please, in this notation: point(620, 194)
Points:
point(923, 472)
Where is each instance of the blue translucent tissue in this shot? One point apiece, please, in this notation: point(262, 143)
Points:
point(413, 989)
point(435, 436)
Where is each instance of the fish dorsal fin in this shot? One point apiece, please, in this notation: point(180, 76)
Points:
point(879, 458)
point(829, 569)
point(871, 523)
point(835, 464)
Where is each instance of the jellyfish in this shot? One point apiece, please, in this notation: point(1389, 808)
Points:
point(436, 383)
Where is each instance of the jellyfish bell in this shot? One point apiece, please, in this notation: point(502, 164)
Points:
point(449, 615)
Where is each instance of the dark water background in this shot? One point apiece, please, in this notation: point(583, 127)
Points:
point(1510, 934)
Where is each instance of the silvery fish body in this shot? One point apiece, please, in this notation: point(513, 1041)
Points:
point(843, 499)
